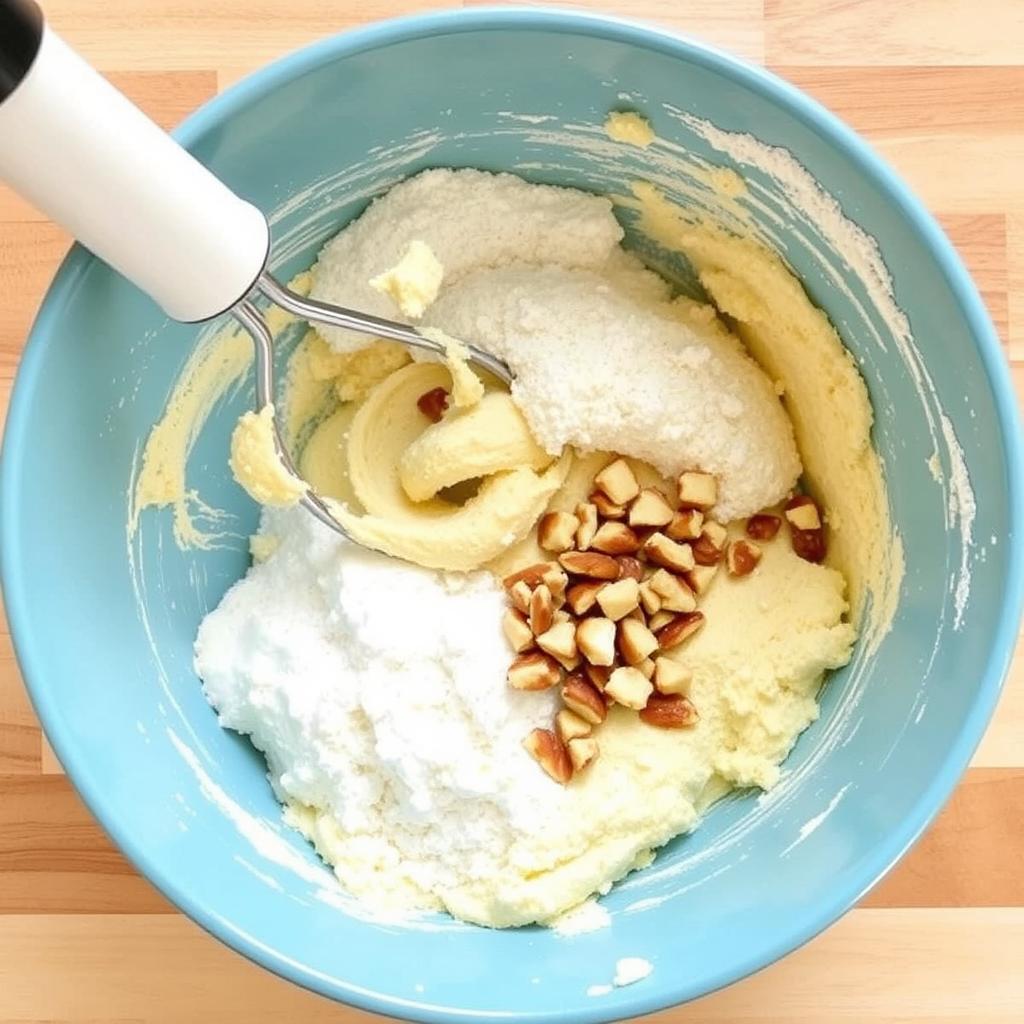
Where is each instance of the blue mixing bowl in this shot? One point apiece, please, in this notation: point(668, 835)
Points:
point(104, 621)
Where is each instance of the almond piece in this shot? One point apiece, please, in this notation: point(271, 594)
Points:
point(763, 526)
point(606, 508)
point(569, 725)
point(595, 639)
point(534, 671)
point(517, 630)
point(802, 512)
point(556, 531)
point(647, 667)
point(586, 513)
point(584, 699)
point(433, 404)
point(635, 641)
point(686, 524)
point(659, 619)
point(650, 508)
point(618, 599)
point(697, 490)
point(590, 563)
point(629, 687)
point(675, 594)
point(650, 599)
point(561, 615)
point(532, 575)
point(618, 482)
point(741, 557)
point(519, 594)
point(681, 628)
point(636, 613)
point(597, 674)
point(671, 678)
point(669, 712)
point(615, 539)
point(550, 753)
point(581, 597)
point(709, 547)
point(699, 578)
point(556, 581)
point(630, 567)
point(582, 752)
point(560, 642)
point(667, 553)
point(542, 610)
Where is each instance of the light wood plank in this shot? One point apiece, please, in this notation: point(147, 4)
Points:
point(1002, 745)
point(981, 241)
point(1015, 287)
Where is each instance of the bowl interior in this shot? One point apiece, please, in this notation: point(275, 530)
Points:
point(104, 622)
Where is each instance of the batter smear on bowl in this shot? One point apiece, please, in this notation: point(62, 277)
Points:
point(600, 602)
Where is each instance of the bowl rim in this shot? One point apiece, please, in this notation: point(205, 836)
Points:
point(857, 881)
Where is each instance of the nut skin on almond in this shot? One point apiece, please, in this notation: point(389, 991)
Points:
point(741, 557)
point(697, 490)
point(556, 531)
point(517, 630)
point(668, 553)
point(630, 567)
point(550, 753)
point(589, 563)
point(635, 641)
point(583, 752)
point(569, 725)
point(534, 671)
point(618, 482)
point(581, 597)
point(606, 508)
point(669, 712)
point(681, 628)
point(532, 575)
point(597, 675)
point(586, 513)
point(629, 687)
point(542, 610)
point(686, 524)
point(433, 404)
point(584, 699)
point(671, 678)
point(615, 539)
point(808, 544)
point(595, 638)
point(763, 526)
point(618, 599)
point(709, 547)
point(650, 508)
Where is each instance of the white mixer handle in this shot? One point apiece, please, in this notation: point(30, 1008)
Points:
point(89, 159)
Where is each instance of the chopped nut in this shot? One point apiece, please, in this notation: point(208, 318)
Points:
point(561, 615)
point(581, 597)
point(699, 578)
point(679, 629)
point(560, 642)
point(675, 594)
point(686, 524)
point(618, 599)
point(659, 619)
point(618, 482)
point(669, 712)
point(556, 581)
point(595, 639)
point(519, 594)
point(709, 547)
point(697, 490)
point(629, 687)
point(741, 557)
point(647, 667)
point(615, 539)
point(590, 563)
point(517, 631)
point(662, 551)
point(582, 752)
point(802, 513)
point(586, 513)
point(532, 575)
point(542, 610)
point(597, 674)
point(650, 508)
point(556, 531)
point(584, 699)
point(606, 507)
point(550, 753)
point(636, 613)
point(533, 671)
point(635, 641)
point(630, 567)
point(763, 526)
point(670, 677)
point(569, 725)
point(433, 404)
point(650, 599)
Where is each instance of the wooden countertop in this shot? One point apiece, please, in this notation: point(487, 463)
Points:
point(938, 87)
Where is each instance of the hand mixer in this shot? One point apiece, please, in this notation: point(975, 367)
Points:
point(82, 153)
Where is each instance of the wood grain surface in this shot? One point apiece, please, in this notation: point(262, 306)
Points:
point(938, 87)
